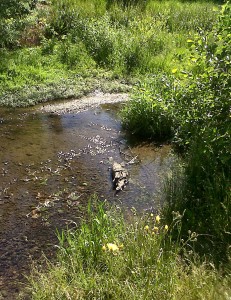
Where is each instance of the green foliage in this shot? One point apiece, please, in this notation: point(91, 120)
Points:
point(15, 8)
point(73, 54)
point(197, 104)
point(80, 36)
point(64, 14)
point(12, 13)
point(204, 117)
point(149, 115)
point(107, 258)
point(98, 37)
point(183, 17)
point(198, 98)
point(8, 32)
point(203, 113)
point(91, 236)
point(204, 96)
point(131, 39)
point(127, 3)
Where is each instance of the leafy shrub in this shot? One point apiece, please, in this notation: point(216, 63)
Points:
point(126, 45)
point(65, 13)
point(73, 54)
point(203, 114)
point(99, 38)
point(8, 32)
point(203, 99)
point(15, 8)
point(12, 23)
point(149, 115)
point(193, 106)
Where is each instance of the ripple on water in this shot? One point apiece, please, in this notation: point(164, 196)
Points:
point(49, 165)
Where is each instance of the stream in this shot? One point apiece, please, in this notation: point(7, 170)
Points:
point(52, 158)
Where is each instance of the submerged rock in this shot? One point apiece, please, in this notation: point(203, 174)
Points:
point(119, 176)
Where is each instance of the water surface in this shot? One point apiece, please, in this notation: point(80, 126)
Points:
point(50, 163)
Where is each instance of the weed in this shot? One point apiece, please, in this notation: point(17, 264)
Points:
point(193, 107)
point(107, 258)
point(149, 115)
point(80, 37)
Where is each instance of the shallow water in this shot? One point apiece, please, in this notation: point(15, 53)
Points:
point(49, 166)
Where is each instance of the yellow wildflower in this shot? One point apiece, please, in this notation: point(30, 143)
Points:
point(151, 215)
point(156, 229)
point(157, 219)
point(174, 70)
point(166, 227)
point(146, 227)
point(104, 248)
point(112, 247)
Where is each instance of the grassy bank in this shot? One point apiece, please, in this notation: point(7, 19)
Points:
point(191, 108)
point(109, 258)
point(61, 43)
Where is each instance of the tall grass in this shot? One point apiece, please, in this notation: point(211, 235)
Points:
point(108, 258)
point(68, 38)
point(194, 105)
point(133, 40)
point(149, 114)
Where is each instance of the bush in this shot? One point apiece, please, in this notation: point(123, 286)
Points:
point(15, 8)
point(12, 20)
point(149, 115)
point(193, 108)
point(203, 114)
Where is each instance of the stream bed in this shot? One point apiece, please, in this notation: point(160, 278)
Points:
point(52, 158)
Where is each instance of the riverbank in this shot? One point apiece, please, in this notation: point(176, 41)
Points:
point(109, 258)
point(63, 50)
point(91, 101)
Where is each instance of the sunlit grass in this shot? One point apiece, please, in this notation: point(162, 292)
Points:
point(82, 37)
point(190, 108)
point(109, 258)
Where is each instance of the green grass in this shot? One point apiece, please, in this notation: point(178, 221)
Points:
point(152, 102)
point(191, 108)
point(59, 71)
point(110, 258)
point(75, 39)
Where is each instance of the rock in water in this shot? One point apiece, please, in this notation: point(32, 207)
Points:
point(119, 176)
